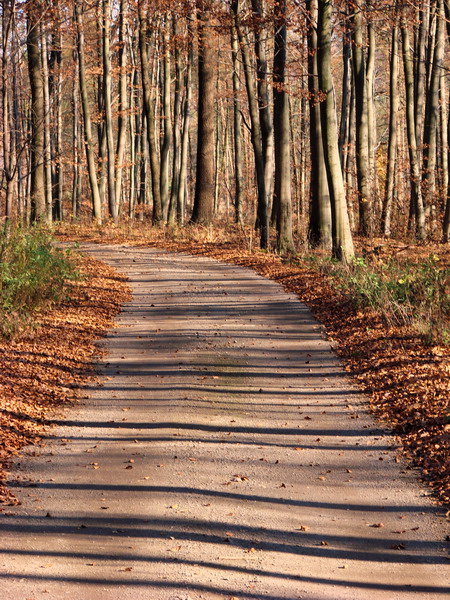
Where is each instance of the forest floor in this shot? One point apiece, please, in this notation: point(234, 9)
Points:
point(224, 454)
point(46, 367)
point(405, 378)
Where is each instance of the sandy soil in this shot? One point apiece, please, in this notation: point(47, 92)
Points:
point(224, 455)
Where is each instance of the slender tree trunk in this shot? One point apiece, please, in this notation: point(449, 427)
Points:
point(282, 135)
point(37, 183)
point(166, 118)
point(342, 239)
point(416, 190)
point(88, 142)
point(392, 144)
point(371, 115)
point(123, 100)
point(420, 84)
point(182, 189)
point(7, 137)
point(149, 115)
point(320, 230)
point(256, 136)
point(362, 127)
point(76, 192)
point(111, 167)
point(237, 121)
point(57, 66)
point(262, 75)
point(346, 82)
point(432, 114)
point(204, 182)
point(176, 126)
point(47, 138)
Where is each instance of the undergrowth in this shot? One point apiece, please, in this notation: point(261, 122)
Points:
point(33, 273)
point(405, 292)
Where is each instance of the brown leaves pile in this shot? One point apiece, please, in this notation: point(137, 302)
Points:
point(46, 368)
point(408, 381)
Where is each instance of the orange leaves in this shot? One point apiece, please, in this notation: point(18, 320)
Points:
point(41, 371)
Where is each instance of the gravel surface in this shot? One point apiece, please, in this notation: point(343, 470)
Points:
point(224, 455)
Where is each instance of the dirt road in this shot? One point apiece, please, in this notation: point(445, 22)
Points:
point(225, 455)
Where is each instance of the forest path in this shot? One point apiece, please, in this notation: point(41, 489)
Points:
point(225, 455)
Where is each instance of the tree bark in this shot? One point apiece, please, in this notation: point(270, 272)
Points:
point(342, 239)
point(362, 127)
point(282, 135)
point(392, 144)
point(37, 183)
point(204, 183)
point(111, 162)
point(416, 189)
point(255, 132)
point(320, 230)
point(123, 100)
point(149, 115)
point(237, 139)
point(88, 143)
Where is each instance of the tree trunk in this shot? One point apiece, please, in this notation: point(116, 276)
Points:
point(432, 115)
point(111, 166)
point(342, 239)
point(320, 231)
point(416, 190)
point(37, 183)
point(176, 126)
point(267, 134)
point(182, 189)
point(392, 144)
point(123, 100)
point(204, 183)
point(89, 147)
point(47, 136)
point(7, 137)
point(149, 115)
point(282, 135)
point(256, 136)
point(166, 118)
point(362, 127)
point(237, 121)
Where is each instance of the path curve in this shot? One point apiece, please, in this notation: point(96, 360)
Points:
point(225, 455)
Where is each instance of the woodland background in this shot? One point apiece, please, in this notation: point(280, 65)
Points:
point(320, 118)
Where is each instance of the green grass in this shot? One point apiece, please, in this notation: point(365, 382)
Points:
point(33, 274)
point(405, 293)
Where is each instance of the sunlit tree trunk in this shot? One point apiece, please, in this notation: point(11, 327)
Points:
point(204, 181)
point(392, 144)
point(282, 135)
point(362, 127)
point(107, 99)
point(88, 142)
point(256, 136)
point(149, 110)
point(320, 233)
point(416, 189)
point(166, 117)
point(342, 239)
point(123, 100)
point(237, 139)
point(432, 114)
point(182, 189)
point(37, 183)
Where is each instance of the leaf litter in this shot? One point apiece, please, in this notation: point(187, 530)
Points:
point(45, 370)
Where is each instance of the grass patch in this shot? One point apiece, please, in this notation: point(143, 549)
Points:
point(33, 273)
point(409, 293)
